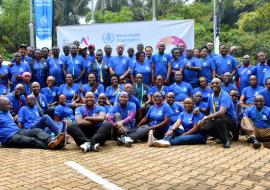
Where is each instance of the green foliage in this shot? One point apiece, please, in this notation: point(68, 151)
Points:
point(14, 28)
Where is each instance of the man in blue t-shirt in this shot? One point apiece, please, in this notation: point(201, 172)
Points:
point(266, 93)
point(222, 118)
point(262, 68)
point(161, 64)
point(12, 136)
point(256, 123)
point(29, 118)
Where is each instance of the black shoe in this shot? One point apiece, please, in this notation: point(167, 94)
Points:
point(256, 144)
point(227, 144)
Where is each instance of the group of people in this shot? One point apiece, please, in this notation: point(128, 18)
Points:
point(180, 98)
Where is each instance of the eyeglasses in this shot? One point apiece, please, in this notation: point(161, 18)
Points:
point(171, 97)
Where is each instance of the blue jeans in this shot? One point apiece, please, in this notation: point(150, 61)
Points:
point(47, 122)
point(177, 139)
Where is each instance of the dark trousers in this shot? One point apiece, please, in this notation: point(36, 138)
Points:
point(29, 138)
point(220, 128)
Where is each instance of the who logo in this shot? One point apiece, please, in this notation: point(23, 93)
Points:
point(108, 38)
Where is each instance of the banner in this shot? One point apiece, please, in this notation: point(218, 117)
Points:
point(44, 23)
point(151, 33)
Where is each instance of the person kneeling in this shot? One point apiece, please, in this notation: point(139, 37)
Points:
point(256, 123)
point(185, 130)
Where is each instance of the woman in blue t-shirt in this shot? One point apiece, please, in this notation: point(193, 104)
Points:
point(185, 130)
point(113, 90)
point(158, 116)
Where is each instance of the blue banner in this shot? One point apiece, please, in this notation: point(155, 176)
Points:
point(44, 22)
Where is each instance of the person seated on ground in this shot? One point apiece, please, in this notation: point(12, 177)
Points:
point(115, 88)
point(17, 101)
point(30, 118)
point(141, 91)
point(191, 69)
point(120, 127)
point(157, 118)
point(104, 102)
point(244, 72)
point(158, 87)
point(185, 130)
point(71, 91)
point(248, 93)
point(203, 89)
point(176, 107)
point(222, 118)
point(266, 93)
point(198, 103)
point(128, 88)
point(12, 136)
point(256, 123)
point(227, 84)
point(180, 88)
point(26, 77)
point(89, 118)
point(62, 112)
point(40, 99)
point(91, 86)
point(50, 92)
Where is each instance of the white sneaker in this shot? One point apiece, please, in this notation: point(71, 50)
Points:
point(86, 147)
point(95, 147)
point(151, 138)
point(161, 143)
point(124, 140)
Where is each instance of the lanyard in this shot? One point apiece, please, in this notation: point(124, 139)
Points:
point(118, 90)
point(57, 63)
point(214, 103)
point(100, 71)
point(38, 104)
point(142, 93)
point(72, 91)
point(244, 70)
point(161, 89)
point(73, 64)
point(50, 90)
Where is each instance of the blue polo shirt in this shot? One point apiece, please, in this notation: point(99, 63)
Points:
point(107, 59)
point(191, 76)
point(111, 93)
point(261, 118)
point(229, 87)
point(27, 88)
point(181, 90)
point(120, 64)
point(164, 90)
point(51, 94)
point(42, 102)
point(144, 69)
point(223, 64)
point(161, 62)
point(188, 120)
point(124, 112)
point(84, 111)
point(17, 70)
point(249, 93)
point(177, 109)
point(4, 70)
point(261, 70)
point(205, 92)
point(39, 72)
point(28, 116)
point(3, 89)
point(243, 73)
point(157, 114)
point(64, 112)
point(8, 127)
point(89, 63)
point(16, 103)
point(88, 88)
point(55, 68)
point(69, 92)
point(223, 100)
point(266, 94)
point(207, 66)
point(74, 65)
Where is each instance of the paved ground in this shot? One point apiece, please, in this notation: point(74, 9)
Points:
point(186, 167)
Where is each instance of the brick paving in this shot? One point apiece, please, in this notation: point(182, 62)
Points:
point(139, 167)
